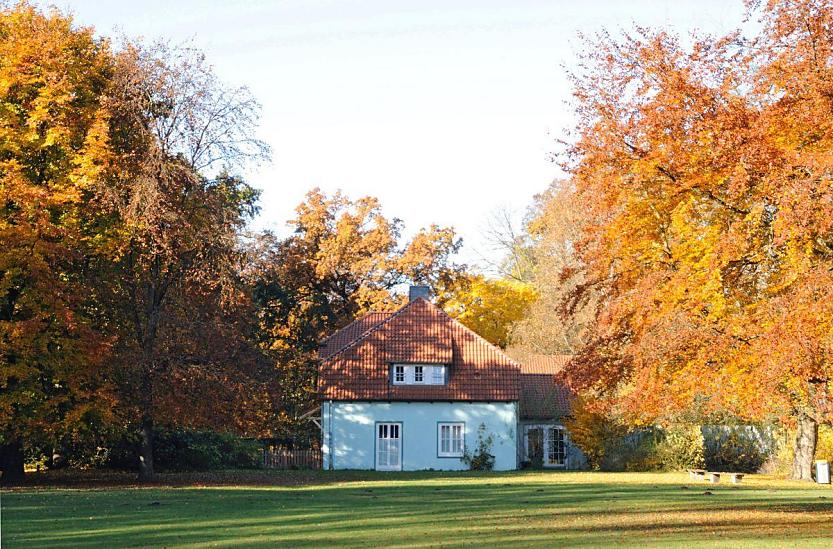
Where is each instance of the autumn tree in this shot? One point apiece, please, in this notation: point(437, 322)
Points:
point(554, 226)
point(343, 258)
point(512, 253)
point(489, 306)
point(53, 146)
point(706, 169)
point(172, 216)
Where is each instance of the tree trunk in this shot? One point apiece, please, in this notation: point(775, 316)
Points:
point(146, 472)
point(11, 463)
point(805, 448)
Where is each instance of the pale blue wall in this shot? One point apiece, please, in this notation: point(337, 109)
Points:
point(349, 432)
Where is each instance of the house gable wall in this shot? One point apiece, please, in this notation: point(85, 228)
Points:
point(349, 432)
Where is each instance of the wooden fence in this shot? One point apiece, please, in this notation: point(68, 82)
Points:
point(275, 457)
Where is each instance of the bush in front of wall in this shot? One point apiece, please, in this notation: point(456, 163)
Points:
point(613, 447)
point(597, 436)
point(736, 448)
point(482, 459)
point(681, 448)
point(634, 450)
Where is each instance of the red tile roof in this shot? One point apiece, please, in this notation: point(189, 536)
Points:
point(420, 332)
point(543, 395)
point(351, 333)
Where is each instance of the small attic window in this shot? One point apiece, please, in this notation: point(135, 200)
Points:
point(418, 374)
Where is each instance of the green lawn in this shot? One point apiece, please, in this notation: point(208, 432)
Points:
point(427, 509)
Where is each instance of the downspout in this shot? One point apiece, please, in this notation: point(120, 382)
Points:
point(519, 440)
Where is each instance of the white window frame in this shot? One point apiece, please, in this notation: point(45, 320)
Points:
point(438, 375)
point(453, 450)
point(419, 374)
point(388, 446)
point(545, 440)
point(563, 434)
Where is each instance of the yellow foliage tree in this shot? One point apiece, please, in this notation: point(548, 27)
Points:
point(490, 307)
point(54, 146)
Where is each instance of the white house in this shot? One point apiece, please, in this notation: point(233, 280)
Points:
point(414, 389)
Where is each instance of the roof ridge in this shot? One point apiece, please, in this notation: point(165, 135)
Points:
point(372, 329)
point(456, 322)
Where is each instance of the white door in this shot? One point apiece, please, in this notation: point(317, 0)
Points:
point(554, 447)
point(388, 447)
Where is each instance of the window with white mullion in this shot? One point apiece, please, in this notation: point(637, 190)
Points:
point(451, 439)
point(418, 374)
point(457, 439)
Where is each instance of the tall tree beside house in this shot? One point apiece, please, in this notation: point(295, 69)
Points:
point(706, 169)
point(511, 244)
point(53, 147)
point(174, 213)
point(344, 258)
point(554, 226)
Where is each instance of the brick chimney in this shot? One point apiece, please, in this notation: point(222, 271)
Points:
point(415, 292)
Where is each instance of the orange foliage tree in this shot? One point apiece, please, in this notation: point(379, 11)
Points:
point(169, 252)
point(119, 226)
point(343, 259)
point(53, 144)
point(706, 170)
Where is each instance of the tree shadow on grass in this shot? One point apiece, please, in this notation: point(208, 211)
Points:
point(420, 510)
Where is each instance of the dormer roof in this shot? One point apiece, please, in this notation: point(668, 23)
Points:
point(356, 361)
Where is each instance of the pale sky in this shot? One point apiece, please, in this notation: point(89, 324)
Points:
point(444, 109)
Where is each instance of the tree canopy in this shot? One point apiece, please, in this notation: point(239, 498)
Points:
point(344, 258)
point(53, 147)
point(705, 168)
point(490, 307)
point(119, 224)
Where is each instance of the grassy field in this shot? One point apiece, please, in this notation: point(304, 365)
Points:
point(426, 510)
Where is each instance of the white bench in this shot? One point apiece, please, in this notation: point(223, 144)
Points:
point(735, 478)
point(713, 476)
point(696, 474)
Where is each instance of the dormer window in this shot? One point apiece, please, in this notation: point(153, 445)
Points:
point(418, 374)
